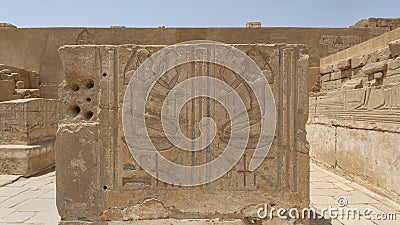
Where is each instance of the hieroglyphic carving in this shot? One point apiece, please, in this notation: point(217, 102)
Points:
point(335, 43)
point(281, 178)
point(27, 121)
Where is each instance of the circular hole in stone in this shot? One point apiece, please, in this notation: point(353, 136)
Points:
point(88, 115)
point(104, 74)
point(89, 83)
point(75, 87)
point(74, 110)
point(105, 187)
point(88, 99)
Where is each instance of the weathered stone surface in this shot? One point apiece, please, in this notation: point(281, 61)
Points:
point(27, 133)
point(352, 84)
point(395, 48)
point(342, 65)
point(7, 90)
point(374, 67)
point(107, 184)
point(383, 169)
point(26, 160)
point(340, 74)
point(18, 83)
point(41, 52)
point(327, 69)
point(322, 139)
point(253, 25)
point(356, 129)
point(359, 61)
point(28, 121)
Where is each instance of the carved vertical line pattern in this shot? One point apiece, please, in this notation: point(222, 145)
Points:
point(288, 149)
point(280, 128)
point(208, 102)
point(193, 118)
point(296, 64)
point(115, 115)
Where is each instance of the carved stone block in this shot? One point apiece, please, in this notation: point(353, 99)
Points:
point(99, 180)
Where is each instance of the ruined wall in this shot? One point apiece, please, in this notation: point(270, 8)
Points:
point(17, 83)
point(36, 48)
point(27, 135)
point(354, 124)
point(379, 25)
point(98, 179)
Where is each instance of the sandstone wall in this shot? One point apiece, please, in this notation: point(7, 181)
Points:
point(354, 124)
point(379, 24)
point(98, 179)
point(27, 135)
point(18, 83)
point(36, 48)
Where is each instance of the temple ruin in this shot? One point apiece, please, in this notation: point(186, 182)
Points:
point(336, 93)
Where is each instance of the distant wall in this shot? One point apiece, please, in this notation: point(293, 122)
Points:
point(36, 48)
point(379, 24)
point(354, 120)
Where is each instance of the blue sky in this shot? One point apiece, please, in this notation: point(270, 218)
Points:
point(201, 13)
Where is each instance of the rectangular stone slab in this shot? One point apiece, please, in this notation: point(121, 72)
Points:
point(98, 179)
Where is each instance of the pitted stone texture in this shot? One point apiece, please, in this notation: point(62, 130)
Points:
point(97, 175)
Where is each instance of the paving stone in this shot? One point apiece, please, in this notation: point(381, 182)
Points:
point(17, 217)
point(47, 218)
point(51, 194)
point(2, 199)
point(323, 200)
point(356, 221)
point(11, 191)
point(323, 185)
point(344, 186)
point(5, 212)
point(37, 205)
point(23, 196)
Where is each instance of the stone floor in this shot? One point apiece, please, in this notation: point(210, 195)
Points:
point(28, 201)
point(326, 188)
point(32, 201)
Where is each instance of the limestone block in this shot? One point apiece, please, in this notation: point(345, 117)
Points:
point(7, 89)
point(97, 177)
point(325, 77)
point(327, 69)
point(378, 75)
point(342, 64)
point(33, 80)
point(26, 160)
point(395, 48)
point(28, 121)
point(4, 76)
point(357, 72)
point(19, 85)
point(28, 93)
point(322, 143)
point(352, 84)
point(352, 142)
point(358, 61)
point(393, 79)
point(340, 74)
point(379, 55)
point(253, 24)
point(374, 67)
